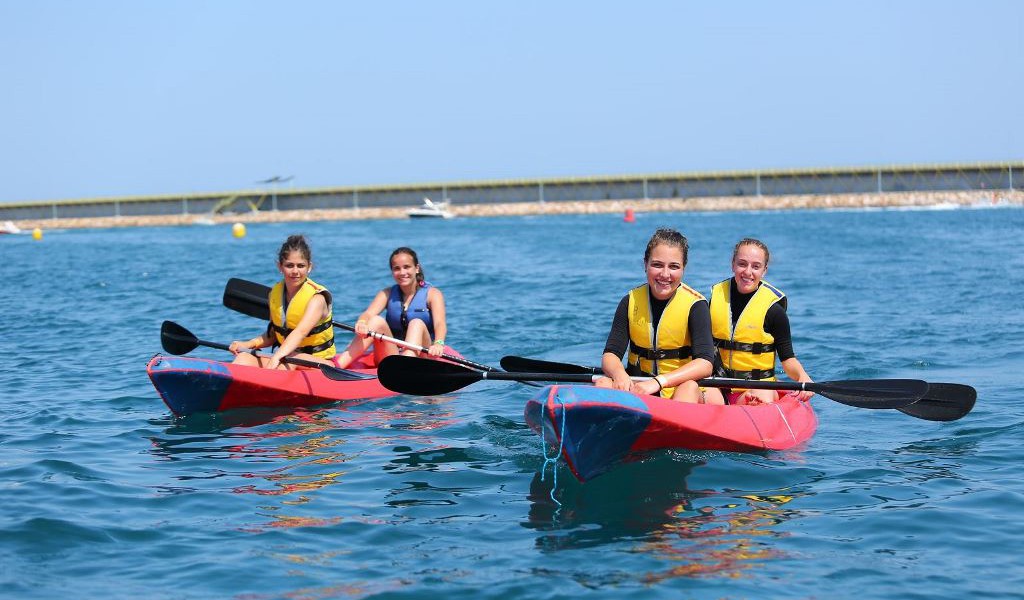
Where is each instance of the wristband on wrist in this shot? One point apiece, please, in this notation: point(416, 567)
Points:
point(661, 382)
point(438, 343)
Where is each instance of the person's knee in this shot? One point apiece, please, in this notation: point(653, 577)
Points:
point(416, 332)
point(245, 359)
point(687, 391)
point(688, 387)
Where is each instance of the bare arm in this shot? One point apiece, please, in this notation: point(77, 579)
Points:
point(435, 302)
point(612, 367)
point(796, 372)
point(377, 305)
point(698, 368)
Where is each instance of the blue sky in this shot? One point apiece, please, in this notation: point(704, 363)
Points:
point(114, 98)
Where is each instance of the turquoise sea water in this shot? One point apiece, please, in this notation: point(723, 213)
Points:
point(105, 495)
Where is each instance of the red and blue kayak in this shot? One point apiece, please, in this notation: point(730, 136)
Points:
point(595, 428)
point(191, 385)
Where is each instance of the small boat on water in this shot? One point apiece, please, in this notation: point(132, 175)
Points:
point(192, 385)
point(595, 428)
point(9, 227)
point(431, 209)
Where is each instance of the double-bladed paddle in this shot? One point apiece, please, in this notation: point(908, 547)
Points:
point(418, 376)
point(177, 340)
point(251, 298)
point(942, 401)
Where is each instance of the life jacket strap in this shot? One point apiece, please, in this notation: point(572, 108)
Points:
point(755, 348)
point(284, 331)
point(661, 353)
point(317, 348)
point(756, 374)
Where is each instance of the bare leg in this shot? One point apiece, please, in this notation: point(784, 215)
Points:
point(416, 333)
point(359, 344)
point(688, 391)
point(247, 359)
point(713, 396)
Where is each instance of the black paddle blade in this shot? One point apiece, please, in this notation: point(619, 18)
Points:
point(873, 393)
point(519, 364)
point(335, 373)
point(176, 339)
point(248, 298)
point(422, 376)
point(943, 402)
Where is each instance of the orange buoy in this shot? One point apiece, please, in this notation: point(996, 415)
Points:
point(630, 217)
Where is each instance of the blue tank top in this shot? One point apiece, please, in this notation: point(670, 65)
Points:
point(417, 310)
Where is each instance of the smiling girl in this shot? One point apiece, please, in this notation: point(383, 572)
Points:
point(666, 327)
point(413, 309)
point(751, 327)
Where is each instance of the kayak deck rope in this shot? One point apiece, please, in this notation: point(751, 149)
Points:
point(552, 460)
point(753, 423)
point(786, 421)
point(760, 435)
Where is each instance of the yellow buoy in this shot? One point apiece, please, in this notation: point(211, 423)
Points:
point(238, 230)
point(37, 234)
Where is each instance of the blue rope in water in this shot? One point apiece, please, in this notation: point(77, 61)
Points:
point(552, 460)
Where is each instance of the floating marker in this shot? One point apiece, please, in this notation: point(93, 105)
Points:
point(37, 234)
point(630, 217)
point(238, 230)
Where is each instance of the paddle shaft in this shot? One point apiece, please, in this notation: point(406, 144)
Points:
point(715, 382)
point(178, 340)
point(287, 359)
point(942, 402)
point(419, 376)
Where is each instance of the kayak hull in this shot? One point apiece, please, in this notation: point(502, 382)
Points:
point(595, 428)
point(191, 385)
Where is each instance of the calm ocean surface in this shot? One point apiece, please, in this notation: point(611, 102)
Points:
point(105, 495)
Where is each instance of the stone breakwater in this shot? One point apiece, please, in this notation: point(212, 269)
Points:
point(710, 204)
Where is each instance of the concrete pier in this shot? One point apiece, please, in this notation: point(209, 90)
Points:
point(977, 198)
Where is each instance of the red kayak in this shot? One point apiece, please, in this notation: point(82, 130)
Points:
point(191, 385)
point(595, 428)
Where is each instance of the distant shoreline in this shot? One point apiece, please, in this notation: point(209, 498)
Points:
point(973, 198)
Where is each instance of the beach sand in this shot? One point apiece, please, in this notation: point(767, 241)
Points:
point(716, 204)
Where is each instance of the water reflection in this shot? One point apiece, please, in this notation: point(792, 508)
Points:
point(696, 532)
point(293, 456)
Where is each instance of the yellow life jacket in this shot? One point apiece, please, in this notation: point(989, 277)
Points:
point(665, 350)
point(746, 351)
point(285, 316)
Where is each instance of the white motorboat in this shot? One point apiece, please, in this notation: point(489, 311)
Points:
point(430, 209)
point(9, 227)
